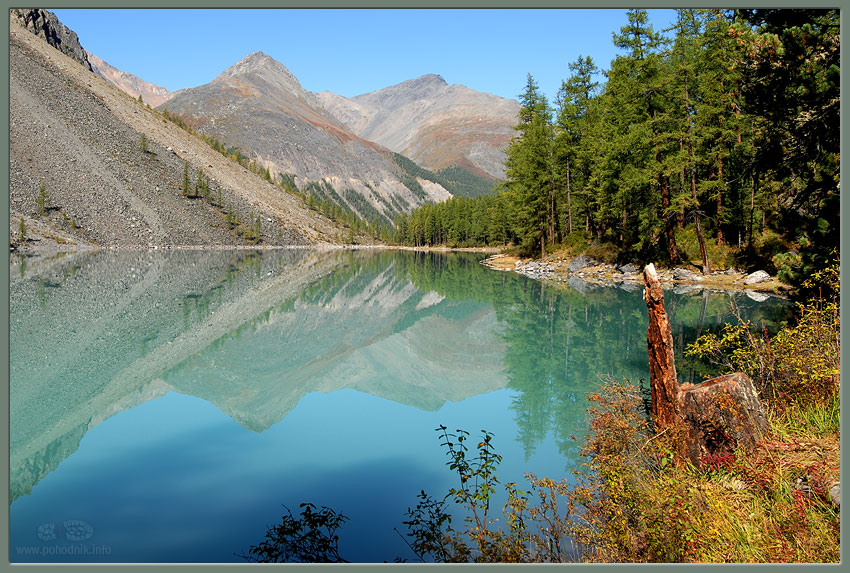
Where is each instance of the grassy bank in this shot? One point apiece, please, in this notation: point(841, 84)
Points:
point(771, 503)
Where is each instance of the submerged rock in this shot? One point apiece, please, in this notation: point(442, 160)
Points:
point(686, 289)
point(581, 286)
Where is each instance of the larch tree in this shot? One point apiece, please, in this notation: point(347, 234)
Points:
point(530, 173)
point(639, 84)
point(574, 100)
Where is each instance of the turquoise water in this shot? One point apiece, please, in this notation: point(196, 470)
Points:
point(164, 406)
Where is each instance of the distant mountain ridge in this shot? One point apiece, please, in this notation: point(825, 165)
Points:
point(133, 85)
point(258, 106)
point(340, 153)
point(436, 124)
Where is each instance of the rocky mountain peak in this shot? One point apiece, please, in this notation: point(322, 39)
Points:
point(432, 80)
point(250, 63)
point(46, 25)
point(256, 63)
point(261, 69)
point(423, 87)
point(433, 123)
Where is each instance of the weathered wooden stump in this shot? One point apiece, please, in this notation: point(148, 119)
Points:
point(720, 414)
point(659, 341)
point(715, 415)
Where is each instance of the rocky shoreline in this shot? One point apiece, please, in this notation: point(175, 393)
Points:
point(584, 274)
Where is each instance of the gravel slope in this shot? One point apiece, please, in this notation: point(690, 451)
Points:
point(79, 135)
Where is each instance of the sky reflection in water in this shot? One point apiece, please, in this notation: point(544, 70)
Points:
point(204, 390)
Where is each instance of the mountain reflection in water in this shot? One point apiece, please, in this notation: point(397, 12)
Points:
point(254, 332)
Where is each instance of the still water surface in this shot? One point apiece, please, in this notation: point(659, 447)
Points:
point(164, 406)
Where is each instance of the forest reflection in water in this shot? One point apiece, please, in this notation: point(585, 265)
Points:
point(257, 334)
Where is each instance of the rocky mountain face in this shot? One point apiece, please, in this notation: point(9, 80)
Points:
point(133, 85)
point(81, 173)
point(259, 107)
point(436, 124)
point(46, 25)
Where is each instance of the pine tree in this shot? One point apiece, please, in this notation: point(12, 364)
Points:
point(41, 199)
point(186, 185)
point(202, 184)
point(22, 231)
point(717, 124)
point(530, 172)
point(792, 80)
point(574, 101)
point(230, 218)
point(638, 84)
point(257, 229)
point(687, 76)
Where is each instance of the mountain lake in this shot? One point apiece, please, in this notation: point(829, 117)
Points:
point(166, 405)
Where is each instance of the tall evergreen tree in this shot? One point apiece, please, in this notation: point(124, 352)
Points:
point(574, 101)
point(791, 79)
point(185, 185)
point(686, 75)
point(638, 84)
point(529, 170)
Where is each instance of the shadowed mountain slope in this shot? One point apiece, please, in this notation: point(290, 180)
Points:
point(259, 107)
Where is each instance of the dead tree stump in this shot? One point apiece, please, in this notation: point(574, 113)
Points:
point(720, 414)
point(663, 382)
point(716, 415)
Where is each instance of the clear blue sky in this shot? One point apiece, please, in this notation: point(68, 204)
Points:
point(350, 52)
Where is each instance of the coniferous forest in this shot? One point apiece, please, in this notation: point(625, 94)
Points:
point(722, 130)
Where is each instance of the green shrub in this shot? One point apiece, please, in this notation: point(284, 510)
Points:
point(801, 363)
point(603, 251)
point(719, 256)
point(311, 538)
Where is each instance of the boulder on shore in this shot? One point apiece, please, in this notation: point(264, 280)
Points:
point(680, 274)
point(756, 277)
point(580, 262)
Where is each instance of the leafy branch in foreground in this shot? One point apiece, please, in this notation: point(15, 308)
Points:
point(537, 527)
point(310, 538)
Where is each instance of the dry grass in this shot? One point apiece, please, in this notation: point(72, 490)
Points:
point(769, 504)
